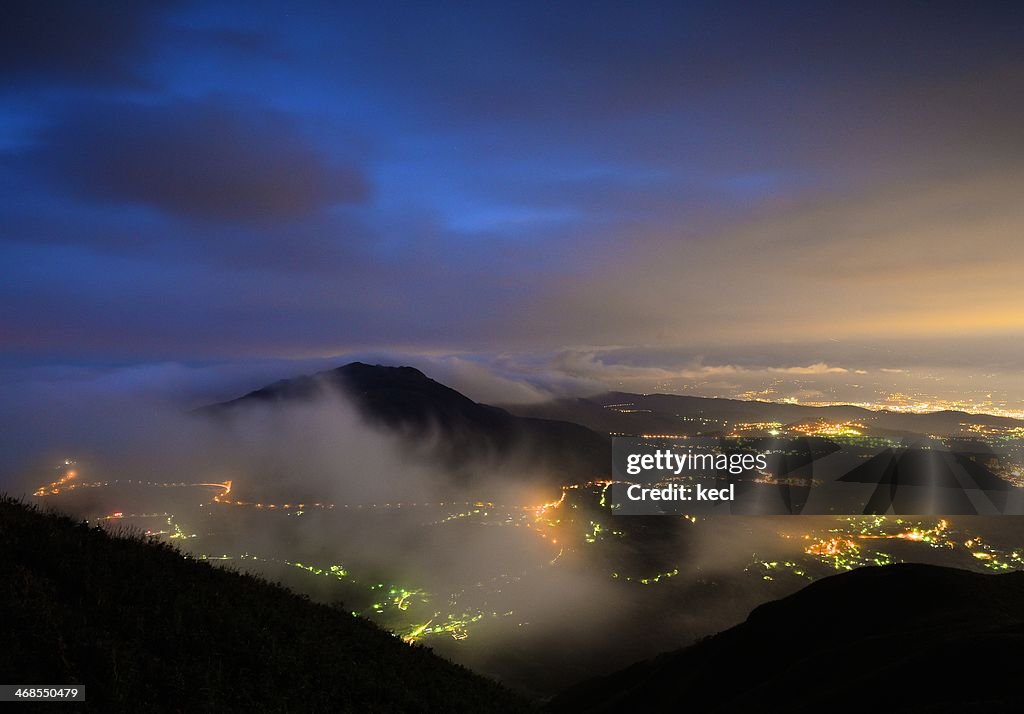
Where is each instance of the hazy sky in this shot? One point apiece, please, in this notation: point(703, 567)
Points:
point(578, 188)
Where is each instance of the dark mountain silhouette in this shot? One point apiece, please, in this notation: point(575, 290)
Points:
point(461, 432)
point(148, 630)
point(627, 413)
point(908, 638)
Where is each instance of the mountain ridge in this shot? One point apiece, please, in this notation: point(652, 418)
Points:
point(626, 412)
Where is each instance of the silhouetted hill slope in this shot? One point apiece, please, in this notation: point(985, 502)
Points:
point(628, 413)
point(936, 639)
point(147, 630)
point(405, 399)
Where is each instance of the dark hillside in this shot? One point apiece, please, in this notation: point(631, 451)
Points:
point(908, 638)
point(146, 629)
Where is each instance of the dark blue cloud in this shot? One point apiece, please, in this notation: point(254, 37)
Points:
point(211, 160)
point(70, 43)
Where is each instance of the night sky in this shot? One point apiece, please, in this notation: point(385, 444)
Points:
point(809, 198)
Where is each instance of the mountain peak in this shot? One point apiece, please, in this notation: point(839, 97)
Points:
point(421, 409)
point(382, 370)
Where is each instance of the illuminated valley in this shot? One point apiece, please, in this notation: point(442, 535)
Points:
point(458, 574)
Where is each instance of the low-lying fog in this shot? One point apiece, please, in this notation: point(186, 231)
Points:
point(348, 513)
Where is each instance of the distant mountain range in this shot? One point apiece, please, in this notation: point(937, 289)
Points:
point(908, 638)
point(626, 413)
point(568, 439)
point(461, 433)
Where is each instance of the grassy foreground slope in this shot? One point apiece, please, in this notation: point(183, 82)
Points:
point(146, 629)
